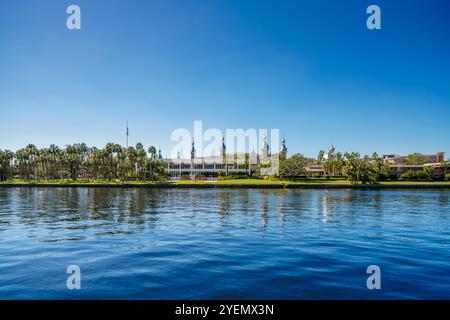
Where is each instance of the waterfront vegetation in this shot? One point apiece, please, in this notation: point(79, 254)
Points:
point(348, 165)
point(356, 169)
point(80, 162)
point(116, 165)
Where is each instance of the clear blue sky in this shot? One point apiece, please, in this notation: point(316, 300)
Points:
point(310, 68)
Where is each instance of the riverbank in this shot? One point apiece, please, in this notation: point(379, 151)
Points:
point(234, 183)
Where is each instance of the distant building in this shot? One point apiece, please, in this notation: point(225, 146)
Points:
point(399, 169)
point(393, 159)
point(224, 163)
point(283, 149)
point(265, 148)
point(330, 154)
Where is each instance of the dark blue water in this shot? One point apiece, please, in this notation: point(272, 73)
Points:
point(214, 244)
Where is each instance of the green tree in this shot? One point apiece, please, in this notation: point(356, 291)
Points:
point(6, 164)
point(416, 159)
point(351, 166)
point(72, 160)
point(445, 165)
point(293, 167)
point(364, 170)
point(428, 170)
point(381, 169)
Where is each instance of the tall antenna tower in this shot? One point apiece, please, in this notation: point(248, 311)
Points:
point(127, 134)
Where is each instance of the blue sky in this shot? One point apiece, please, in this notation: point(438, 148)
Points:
point(310, 68)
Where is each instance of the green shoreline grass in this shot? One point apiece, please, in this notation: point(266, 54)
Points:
point(259, 182)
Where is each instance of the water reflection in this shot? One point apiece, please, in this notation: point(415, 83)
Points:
point(68, 207)
point(325, 207)
point(256, 242)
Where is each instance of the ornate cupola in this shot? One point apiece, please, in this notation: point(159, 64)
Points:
point(330, 154)
point(283, 149)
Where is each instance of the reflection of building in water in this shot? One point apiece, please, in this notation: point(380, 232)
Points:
point(224, 203)
point(264, 209)
point(282, 206)
point(325, 207)
point(224, 163)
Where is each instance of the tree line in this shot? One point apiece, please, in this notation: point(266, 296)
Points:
point(78, 161)
point(349, 164)
point(357, 169)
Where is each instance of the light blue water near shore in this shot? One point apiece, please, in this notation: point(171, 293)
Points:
point(224, 243)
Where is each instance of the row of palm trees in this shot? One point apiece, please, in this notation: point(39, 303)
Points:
point(336, 166)
point(78, 161)
point(357, 168)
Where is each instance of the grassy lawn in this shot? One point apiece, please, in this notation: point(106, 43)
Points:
point(261, 182)
point(417, 182)
point(265, 182)
point(87, 182)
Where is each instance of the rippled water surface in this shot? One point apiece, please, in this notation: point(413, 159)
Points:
point(224, 243)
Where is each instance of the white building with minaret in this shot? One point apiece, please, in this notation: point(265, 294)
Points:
point(222, 163)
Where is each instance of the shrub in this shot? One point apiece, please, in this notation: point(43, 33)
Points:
point(414, 175)
point(233, 177)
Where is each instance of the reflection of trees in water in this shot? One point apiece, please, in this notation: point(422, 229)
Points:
point(6, 208)
point(108, 207)
point(265, 198)
point(194, 202)
point(117, 210)
point(122, 210)
point(47, 205)
point(443, 199)
point(247, 204)
point(224, 203)
point(299, 202)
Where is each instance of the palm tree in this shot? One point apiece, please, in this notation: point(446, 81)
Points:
point(22, 162)
point(339, 163)
point(54, 154)
point(43, 160)
point(352, 166)
point(122, 164)
point(152, 162)
point(445, 165)
point(132, 159)
point(72, 160)
point(32, 153)
point(141, 156)
point(428, 170)
point(321, 155)
point(78, 161)
point(152, 151)
point(327, 167)
point(6, 158)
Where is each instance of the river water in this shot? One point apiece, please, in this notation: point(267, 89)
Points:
point(224, 243)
